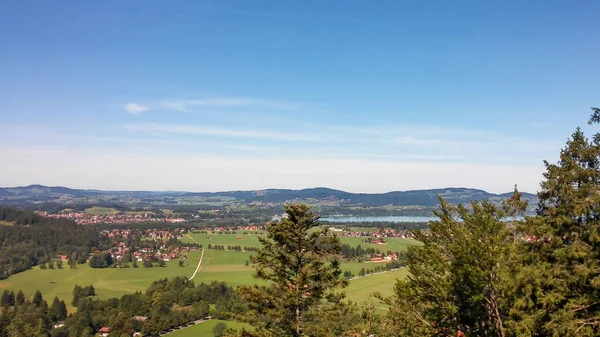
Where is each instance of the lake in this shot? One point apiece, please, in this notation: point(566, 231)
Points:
point(379, 218)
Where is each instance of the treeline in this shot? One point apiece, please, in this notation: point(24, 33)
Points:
point(378, 268)
point(359, 253)
point(30, 240)
point(232, 248)
point(20, 316)
point(379, 210)
point(166, 304)
point(409, 226)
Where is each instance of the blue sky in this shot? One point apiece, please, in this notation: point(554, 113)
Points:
point(357, 95)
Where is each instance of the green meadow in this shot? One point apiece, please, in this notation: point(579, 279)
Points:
point(393, 244)
point(215, 238)
point(361, 289)
point(226, 266)
point(251, 240)
point(205, 328)
point(108, 282)
point(96, 210)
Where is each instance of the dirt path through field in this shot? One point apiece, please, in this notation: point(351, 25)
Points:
point(199, 263)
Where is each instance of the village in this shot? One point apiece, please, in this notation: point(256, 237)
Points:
point(121, 218)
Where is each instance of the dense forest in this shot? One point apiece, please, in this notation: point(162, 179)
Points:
point(166, 304)
point(27, 239)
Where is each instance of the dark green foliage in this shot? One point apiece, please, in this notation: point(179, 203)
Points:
point(101, 260)
point(80, 293)
point(297, 262)
point(8, 299)
point(37, 299)
point(456, 278)
point(558, 287)
point(20, 298)
point(219, 329)
point(34, 240)
point(57, 311)
point(167, 303)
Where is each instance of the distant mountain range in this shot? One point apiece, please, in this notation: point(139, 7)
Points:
point(39, 193)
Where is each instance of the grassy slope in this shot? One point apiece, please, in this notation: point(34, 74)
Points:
point(109, 282)
point(96, 210)
point(361, 289)
point(216, 266)
point(393, 244)
point(251, 240)
point(205, 329)
point(248, 240)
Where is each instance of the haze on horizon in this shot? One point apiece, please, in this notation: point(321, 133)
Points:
point(236, 95)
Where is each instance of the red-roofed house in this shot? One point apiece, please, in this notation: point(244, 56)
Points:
point(104, 331)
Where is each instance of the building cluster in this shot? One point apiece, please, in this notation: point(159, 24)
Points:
point(162, 250)
point(83, 218)
point(248, 228)
point(383, 233)
point(384, 258)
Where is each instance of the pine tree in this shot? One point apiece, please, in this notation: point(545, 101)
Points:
point(457, 277)
point(20, 298)
point(54, 312)
point(558, 288)
point(37, 298)
point(297, 263)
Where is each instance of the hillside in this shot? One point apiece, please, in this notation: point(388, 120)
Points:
point(39, 193)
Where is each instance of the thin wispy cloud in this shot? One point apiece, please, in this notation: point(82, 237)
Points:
point(187, 105)
point(134, 108)
point(203, 130)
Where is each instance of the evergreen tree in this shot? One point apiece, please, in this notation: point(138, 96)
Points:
point(297, 263)
point(558, 288)
point(20, 298)
point(8, 299)
point(57, 310)
point(457, 277)
point(37, 298)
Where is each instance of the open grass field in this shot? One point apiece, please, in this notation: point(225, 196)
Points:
point(101, 210)
point(227, 266)
point(205, 329)
point(393, 244)
point(108, 282)
point(361, 289)
point(251, 240)
point(115, 282)
point(248, 240)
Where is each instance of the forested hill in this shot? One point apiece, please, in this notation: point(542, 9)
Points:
point(38, 193)
point(27, 239)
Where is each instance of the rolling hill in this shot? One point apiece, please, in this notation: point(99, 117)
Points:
point(39, 193)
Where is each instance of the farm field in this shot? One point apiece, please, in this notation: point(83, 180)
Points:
point(101, 210)
point(227, 266)
point(248, 240)
point(251, 240)
point(216, 266)
point(361, 289)
point(108, 282)
point(205, 328)
point(393, 244)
